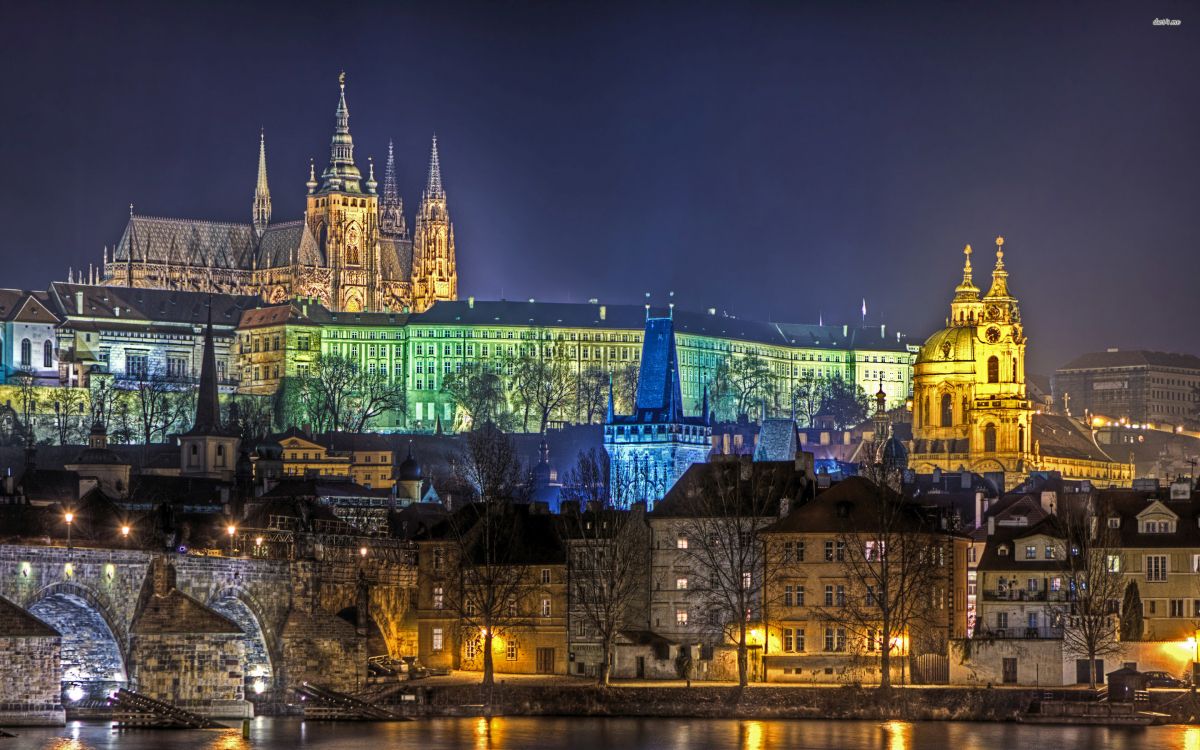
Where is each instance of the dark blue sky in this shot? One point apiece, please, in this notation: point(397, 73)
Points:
point(774, 160)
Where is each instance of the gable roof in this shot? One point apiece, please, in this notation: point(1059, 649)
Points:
point(1064, 437)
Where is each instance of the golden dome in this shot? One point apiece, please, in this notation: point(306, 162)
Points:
point(954, 344)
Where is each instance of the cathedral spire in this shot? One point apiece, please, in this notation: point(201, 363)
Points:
point(341, 175)
point(391, 205)
point(262, 194)
point(433, 188)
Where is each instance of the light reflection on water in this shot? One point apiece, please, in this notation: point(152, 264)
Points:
point(553, 733)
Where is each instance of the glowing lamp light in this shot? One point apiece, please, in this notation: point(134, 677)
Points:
point(258, 540)
point(125, 531)
point(75, 693)
point(362, 551)
point(69, 516)
point(259, 686)
point(231, 529)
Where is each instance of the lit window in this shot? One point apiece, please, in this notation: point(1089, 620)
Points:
point(439, 598)
point(681, 543)
point(681, 616)
point(545, 608)
point(681, 583)
point(510, 653)
point(437, 640)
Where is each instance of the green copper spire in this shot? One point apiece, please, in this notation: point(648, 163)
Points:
point(341, 175)
point(262, 194)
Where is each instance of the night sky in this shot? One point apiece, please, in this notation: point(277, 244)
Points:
point(778, 161)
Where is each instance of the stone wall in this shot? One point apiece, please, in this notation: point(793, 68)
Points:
point(200, 672)
point(323, 649)
point(30, 690)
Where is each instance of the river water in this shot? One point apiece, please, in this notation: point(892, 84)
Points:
point(624, 734)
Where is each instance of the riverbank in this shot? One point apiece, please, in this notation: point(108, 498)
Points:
point(754, 702)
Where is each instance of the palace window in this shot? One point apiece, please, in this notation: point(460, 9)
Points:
point(47, 354)
point(993, 369)
point(545, 607)
point(681, 583)
point(437, 640)
point(1156, 567)
point(439, 597)
point(510, 653)
point(947, 410)
point(989, 439)
point(681, 616)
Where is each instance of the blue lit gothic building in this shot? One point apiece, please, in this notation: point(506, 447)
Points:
point(651, 448)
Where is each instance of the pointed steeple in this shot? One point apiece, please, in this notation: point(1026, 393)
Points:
point(262, 194)
point(208, 411)
point(433, 187)
point(966, 291)
point(999, 288)
point(341, 175)
point(391, 205)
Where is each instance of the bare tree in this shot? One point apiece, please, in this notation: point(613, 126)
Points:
point(491, 578)
point(625, 385)
point(543, 382)
point(720, 513)
point(337, 394)
point(592, 395)
point(479, 392)
point(608, 549)
point(897, 562)
point(750, 381)
point(28, 403)
point(372, 395)
point(69, 415)
point(152, 395)
point(1092, 565)
point(255, 417)
point(807, 397)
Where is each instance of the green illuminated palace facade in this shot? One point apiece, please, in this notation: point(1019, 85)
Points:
point(278, 344)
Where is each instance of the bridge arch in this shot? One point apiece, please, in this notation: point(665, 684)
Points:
point(262, 653)
point(94, 649)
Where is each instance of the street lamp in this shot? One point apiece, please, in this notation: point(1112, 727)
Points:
point(69, 517)
point(232, 530)
point(362, 551)
point(125, 534)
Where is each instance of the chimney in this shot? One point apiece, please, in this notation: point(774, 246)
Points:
point(845, 330)
point(79, 303)
point(117, 311)
point(1048, 499)
point(978, 509)
point(603, 312)
point(991, 525)
point(785, 506)
point(471, 303)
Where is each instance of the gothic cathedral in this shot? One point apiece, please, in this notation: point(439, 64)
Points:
point(352, 251)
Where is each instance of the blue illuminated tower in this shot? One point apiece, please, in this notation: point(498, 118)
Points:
point(650, 449)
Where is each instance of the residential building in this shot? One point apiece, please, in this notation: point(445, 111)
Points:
point(832, 560)
point(28, 342)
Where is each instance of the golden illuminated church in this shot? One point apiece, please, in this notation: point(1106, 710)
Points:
point(352, 250)
point(970, 408)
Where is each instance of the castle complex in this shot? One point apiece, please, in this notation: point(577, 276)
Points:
point(352, 251)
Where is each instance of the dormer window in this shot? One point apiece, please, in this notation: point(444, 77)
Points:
point(1158, 527)
point(1002, 550)
point(1114, 522)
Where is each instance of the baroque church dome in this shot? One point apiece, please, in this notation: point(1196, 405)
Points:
point(954, 344)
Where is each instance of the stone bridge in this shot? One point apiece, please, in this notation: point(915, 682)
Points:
point(200, 631)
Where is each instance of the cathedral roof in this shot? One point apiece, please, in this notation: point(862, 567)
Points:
point(778, 440)
point(278, 243)
point(395, 258)
point(1064, 437)
point(954, 344)
point(186, 241)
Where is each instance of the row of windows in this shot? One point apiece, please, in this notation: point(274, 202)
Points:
point(26, 356)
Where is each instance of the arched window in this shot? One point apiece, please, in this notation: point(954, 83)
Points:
point(1015, 379)
point(26, 353)
point(47, 355)
point(993, 370)
point(989, 439)
point(1021, 438)
point(925, 413)
point(947, 410)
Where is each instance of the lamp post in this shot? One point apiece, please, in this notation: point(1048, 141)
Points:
point(69, 517)
point(125, 535)
point(232, 530)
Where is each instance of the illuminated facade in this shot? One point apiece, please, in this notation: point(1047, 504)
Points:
point(352, 251)
point(970, 406)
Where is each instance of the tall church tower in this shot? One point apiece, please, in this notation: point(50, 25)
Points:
point(434, 271)
point(262, 194)
point(343, 216)
point(970, 409)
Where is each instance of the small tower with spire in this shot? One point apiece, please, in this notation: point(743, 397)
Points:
point(262, 194)
point(209, 450)
point(434, 269)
